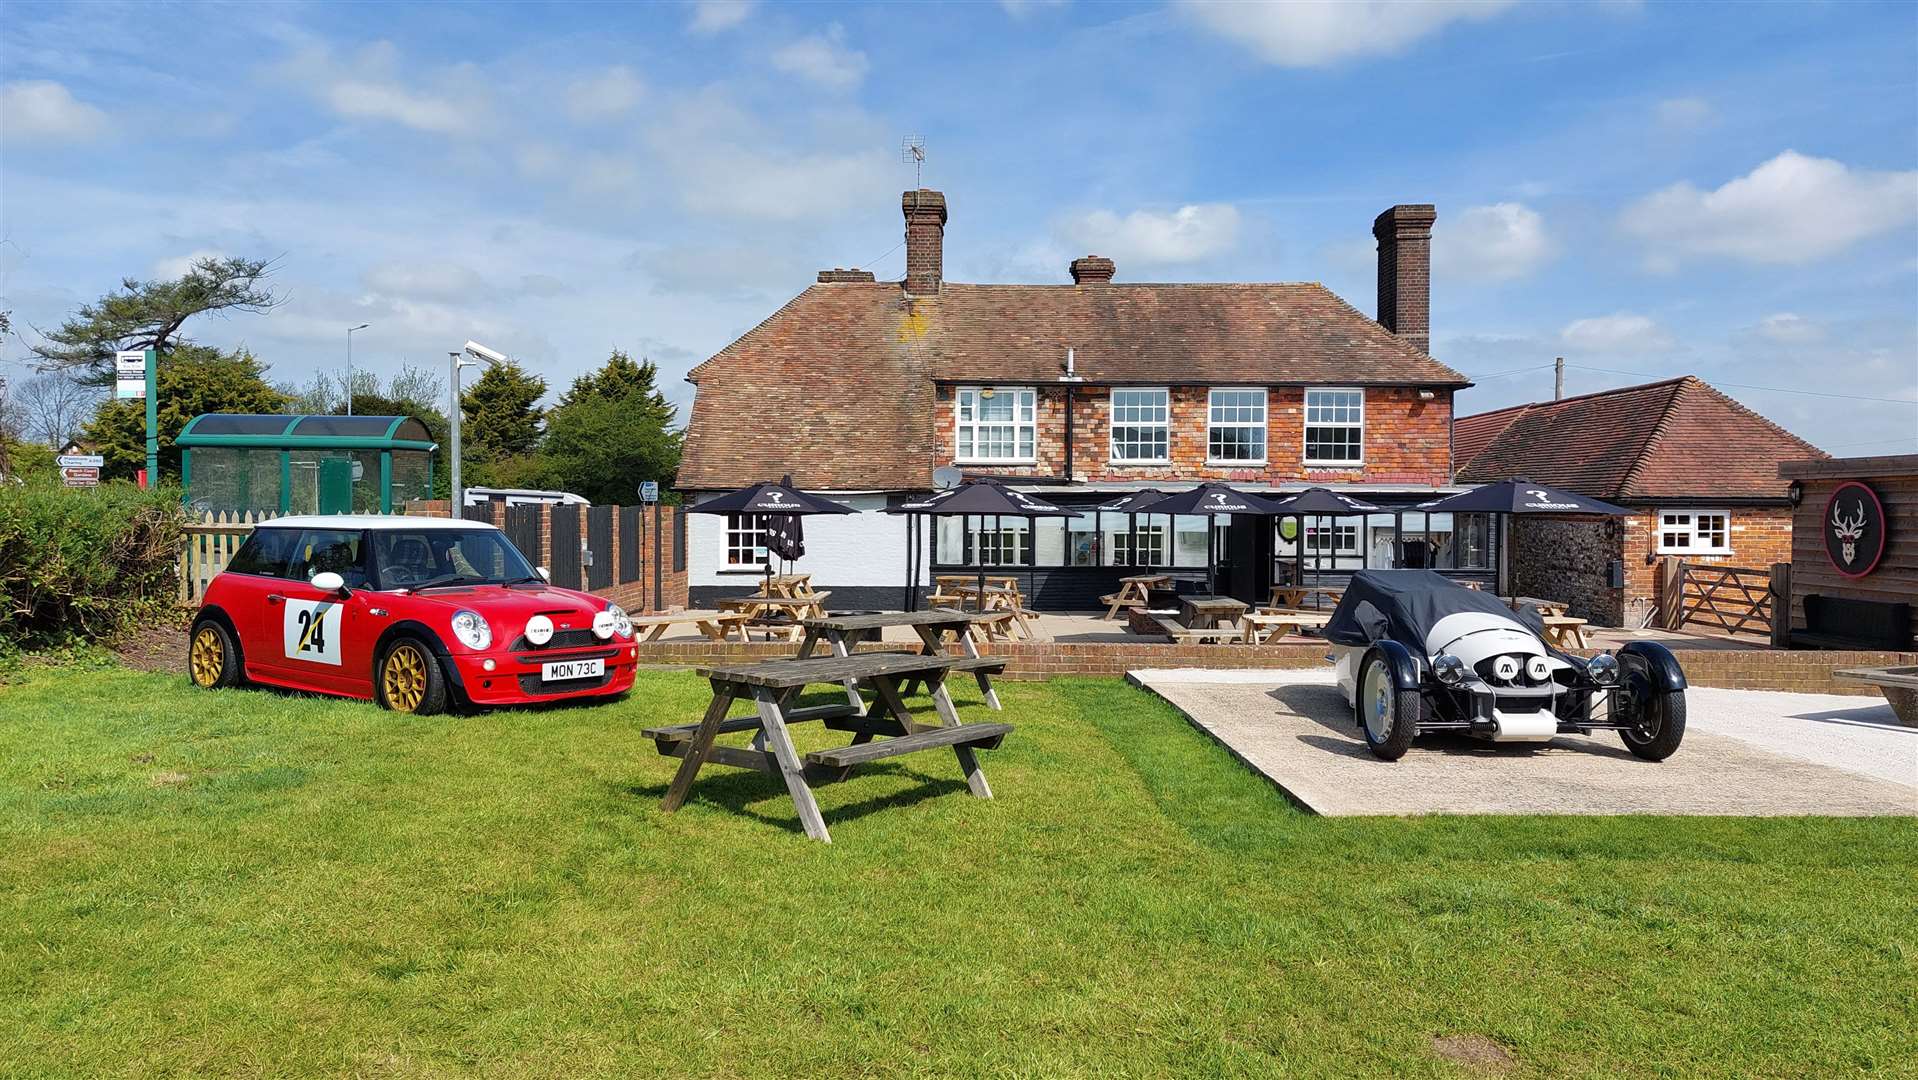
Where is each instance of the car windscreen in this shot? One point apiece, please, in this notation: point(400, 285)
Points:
point(410, 558)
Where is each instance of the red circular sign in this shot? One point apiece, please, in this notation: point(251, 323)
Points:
point(1854, 529)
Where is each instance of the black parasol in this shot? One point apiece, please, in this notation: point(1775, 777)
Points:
point(1214, 500)
point(980, 498)
point(780, 507)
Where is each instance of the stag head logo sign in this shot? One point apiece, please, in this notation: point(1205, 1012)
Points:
point(1854, 527)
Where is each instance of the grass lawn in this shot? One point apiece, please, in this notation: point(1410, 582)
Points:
point(252, 883)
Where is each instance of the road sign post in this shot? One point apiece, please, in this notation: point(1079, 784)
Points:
point(136, 374)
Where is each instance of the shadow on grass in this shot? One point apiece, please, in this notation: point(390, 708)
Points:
point(739, 791)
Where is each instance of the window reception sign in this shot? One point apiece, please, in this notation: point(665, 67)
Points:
point(1854, 527)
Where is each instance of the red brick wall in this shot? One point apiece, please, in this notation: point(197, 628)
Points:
point(1407, 440)
point(1760, 536)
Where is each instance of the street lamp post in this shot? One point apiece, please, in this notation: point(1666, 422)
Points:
point(455, 361)
point(349, 365)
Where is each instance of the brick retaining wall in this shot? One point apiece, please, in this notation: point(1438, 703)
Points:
point(1802, 672)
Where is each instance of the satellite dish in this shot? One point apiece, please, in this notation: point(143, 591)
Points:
point(946, 476)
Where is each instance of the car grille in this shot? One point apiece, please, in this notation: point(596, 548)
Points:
point(562, 639)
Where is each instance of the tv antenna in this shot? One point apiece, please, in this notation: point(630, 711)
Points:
point(913, 149)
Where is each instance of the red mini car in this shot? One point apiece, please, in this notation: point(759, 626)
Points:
point(411, 612)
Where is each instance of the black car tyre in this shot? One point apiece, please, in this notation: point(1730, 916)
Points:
point(1387, 716)
point(1657, 718)
point(408, 678)
point(212, 656)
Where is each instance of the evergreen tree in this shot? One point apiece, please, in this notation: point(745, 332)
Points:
point(150, 315)
point(500, 412)
point(611, 430)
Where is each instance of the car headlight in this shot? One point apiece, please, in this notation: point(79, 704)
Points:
point(1603, 669)
point(1538, 669)
point(1505, 668)
point(622, 622)
point(1448, 669)
point(472, 630)
point(539, 629)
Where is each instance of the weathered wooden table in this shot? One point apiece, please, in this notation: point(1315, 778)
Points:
point(717, 626)
point(1134, 591)
point(1565, 632)
point(1260, 627)
point(1294, 596)
point(843, 633)
point(1206, 612)
point(773, 684)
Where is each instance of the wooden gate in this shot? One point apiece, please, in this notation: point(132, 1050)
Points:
point(599, 542)
point(1734, 599)
point(522, 528)
point(565, 567)
point(629, 526)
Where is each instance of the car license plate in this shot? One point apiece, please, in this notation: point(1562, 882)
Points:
point(561, 670)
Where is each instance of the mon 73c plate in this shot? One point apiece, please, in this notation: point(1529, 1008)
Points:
point(562, 670)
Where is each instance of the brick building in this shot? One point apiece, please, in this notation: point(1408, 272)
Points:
point(1701, 469)
point(1080, 391)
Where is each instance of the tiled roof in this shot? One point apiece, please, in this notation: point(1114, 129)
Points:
point(836, 387)
point(1677, 439)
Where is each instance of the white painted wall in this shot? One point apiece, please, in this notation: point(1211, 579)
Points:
point(867, 548)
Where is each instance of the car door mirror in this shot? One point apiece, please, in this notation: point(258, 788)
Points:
point(544, 574)
point(328, 581)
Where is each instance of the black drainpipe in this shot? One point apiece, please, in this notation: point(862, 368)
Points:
point(1068, 433)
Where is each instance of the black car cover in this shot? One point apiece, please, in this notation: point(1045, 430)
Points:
point(1405, 604)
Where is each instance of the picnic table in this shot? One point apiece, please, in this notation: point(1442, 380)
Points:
point(1294, 596)
point(843, 634)
point(716, 625)
point(1565, 631)
point(993, 599)
point(1265, 624)
point(1134, 592)
point(1206, 612)
point(778, 612)
point(773, 684)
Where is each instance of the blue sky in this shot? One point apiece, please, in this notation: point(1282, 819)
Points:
point(1660, 189)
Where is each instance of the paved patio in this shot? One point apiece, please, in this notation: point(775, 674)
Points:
point(1745, 753)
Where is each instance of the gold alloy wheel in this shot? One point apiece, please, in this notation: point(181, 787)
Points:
point(403, 678)
point(206, 658)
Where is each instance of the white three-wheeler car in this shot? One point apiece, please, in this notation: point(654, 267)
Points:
point(1417, 652)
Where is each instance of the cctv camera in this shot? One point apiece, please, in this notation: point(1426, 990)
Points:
point(489, 355)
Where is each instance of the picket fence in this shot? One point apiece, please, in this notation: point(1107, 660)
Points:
point(211, 543)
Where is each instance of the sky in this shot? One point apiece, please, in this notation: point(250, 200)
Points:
point(1647, 190)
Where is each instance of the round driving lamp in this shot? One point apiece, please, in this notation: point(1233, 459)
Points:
point(1603, 669)
point(1538, 669)
point(1448, 669)
point(1505, 668)
point(603, 625)
point(539, 629)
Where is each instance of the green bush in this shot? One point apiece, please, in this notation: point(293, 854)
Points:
point(81, 565)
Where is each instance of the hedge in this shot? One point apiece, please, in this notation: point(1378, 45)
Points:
point(83, 565)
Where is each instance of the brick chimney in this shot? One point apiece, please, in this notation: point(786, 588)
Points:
point(1405, 272)
point(836, 274)
point(925, 239)
point(1092, 270)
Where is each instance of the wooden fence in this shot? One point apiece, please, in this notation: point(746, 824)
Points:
point(1732, 599)
point(210, 544)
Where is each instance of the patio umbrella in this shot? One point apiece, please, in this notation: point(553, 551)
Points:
point(1131, 505)
point(980, 498)
point(780, 506)
point(1320, 502)
point(1213, 500)
point(1521, 496)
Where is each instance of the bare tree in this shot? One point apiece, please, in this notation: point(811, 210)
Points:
point(55, 406)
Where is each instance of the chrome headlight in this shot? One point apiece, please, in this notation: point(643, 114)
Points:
point(603, 624)
point(472, 630)
point(1603, 669)
point(622, 623)
point(1538, 669)
point(1505, 668)
point(1448, 669)
point(539, 629)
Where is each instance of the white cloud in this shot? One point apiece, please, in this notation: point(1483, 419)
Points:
point(1020, 9)
point(175, 268)
point(729, 164)
point(1185, 235)
point(1319, 33)
point(1787, 328)
point(1684, 114)
point(368, 86)
point(1622, 332)
point(42, 109)
point(426, 281)
point(1791, 209)
point(713, 16)
point(1491, 243)
point(605, 95)
point(823, 59)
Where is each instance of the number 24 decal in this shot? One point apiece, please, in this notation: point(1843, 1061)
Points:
point(311, 631)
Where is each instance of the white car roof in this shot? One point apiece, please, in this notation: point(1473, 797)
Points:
point(371, 521)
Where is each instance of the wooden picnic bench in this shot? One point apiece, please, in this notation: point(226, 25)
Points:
point(1264, 626)
point(1565, 631)
point(780, 614)
point(773, 684)
point(844, 633)
point(1294, 596)
point(1207, 612)
point(1134, 592)
point(716, 625)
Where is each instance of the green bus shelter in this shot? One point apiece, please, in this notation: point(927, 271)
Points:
point(239, 462)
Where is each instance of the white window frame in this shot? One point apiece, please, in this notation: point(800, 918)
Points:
point(1338, 529)
point(1305, 429)
point(746, 532)
point(959, 424)
point(1113, 425)
point(1264, 426)
point(1689, 529)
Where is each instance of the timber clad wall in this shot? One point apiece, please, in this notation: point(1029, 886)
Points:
point(632, 585)
point(1896, 578)
point(1407, 440)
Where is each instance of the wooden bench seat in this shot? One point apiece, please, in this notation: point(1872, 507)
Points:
point(978, 736)
point(1173, 629)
